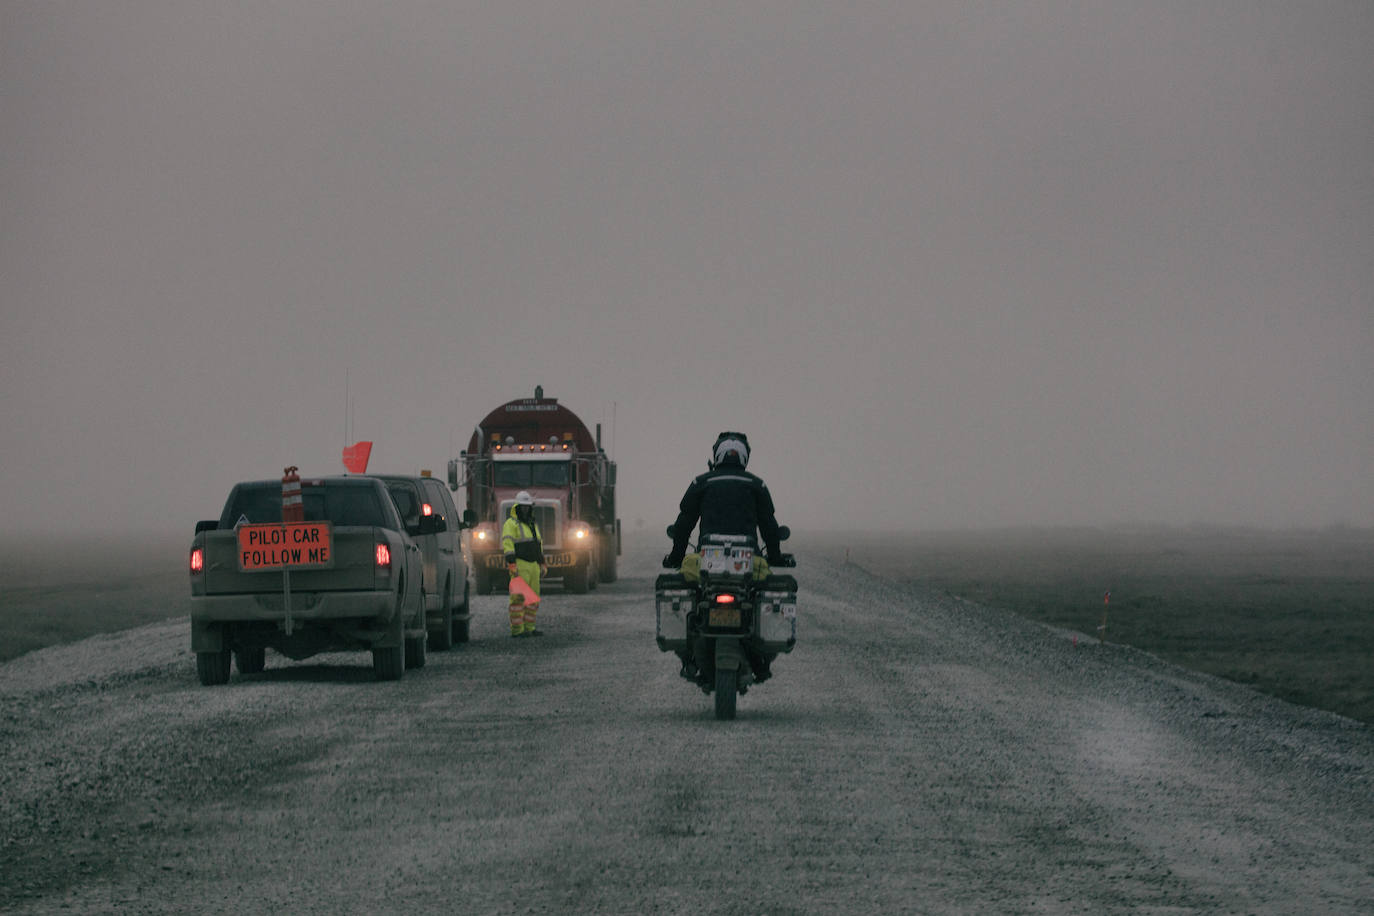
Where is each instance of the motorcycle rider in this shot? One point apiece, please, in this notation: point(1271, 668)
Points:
point(727, 499)
point(524, 558)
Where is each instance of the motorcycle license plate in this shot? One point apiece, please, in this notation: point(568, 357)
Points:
point(724, 617)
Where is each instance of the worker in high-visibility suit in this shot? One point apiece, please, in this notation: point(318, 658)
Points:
point(524, 552)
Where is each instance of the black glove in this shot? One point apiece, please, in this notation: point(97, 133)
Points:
point(672, 560)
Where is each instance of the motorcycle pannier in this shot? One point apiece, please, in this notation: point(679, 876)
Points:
point(673, 596)
point(777, 604)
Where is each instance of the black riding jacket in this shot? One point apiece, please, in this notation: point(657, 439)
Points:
point(727, 500)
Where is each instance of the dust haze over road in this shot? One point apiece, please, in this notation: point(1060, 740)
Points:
point(948, 264)
point(915, 753)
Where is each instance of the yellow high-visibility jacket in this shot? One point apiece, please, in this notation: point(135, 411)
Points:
point(521, 542)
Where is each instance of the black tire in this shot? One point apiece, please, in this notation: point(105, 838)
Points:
point(727, 686)
point(213, 667)
point(608, 572)
point(576, 580)
point(415, 653)
point(415, 645)
point(460, 627)
point(250, 661)
point(389, 664)
point(441, 640)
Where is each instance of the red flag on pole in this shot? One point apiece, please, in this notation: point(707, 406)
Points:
point(355, 457)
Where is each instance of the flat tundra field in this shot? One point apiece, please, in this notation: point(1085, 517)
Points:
point(1289, 612)
point(922, 750)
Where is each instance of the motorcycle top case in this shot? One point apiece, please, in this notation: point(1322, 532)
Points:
point(777, 613)
point(673, 598)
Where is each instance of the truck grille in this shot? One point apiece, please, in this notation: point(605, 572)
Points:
point(546, 517)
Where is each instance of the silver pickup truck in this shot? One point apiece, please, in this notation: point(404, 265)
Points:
point(347, 577)
point(448, 608)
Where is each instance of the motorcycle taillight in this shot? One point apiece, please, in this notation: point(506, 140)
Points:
point(725, 599)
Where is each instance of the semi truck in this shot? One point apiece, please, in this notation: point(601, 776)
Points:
point(538, 445)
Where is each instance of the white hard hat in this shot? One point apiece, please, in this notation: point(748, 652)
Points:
point(523, 498)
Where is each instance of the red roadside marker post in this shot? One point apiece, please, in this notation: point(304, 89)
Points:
point(1102, 627)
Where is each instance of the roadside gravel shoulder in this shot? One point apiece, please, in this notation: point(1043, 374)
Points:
point(97, 658)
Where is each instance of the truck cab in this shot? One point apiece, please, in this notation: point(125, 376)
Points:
point(549, 476)
point(538, 445)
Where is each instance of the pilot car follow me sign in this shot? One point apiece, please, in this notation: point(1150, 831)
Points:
point(290, 544)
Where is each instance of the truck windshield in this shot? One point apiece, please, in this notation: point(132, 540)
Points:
point(531, 474)
point(341, 504)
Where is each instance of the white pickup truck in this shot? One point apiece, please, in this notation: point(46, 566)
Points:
point(347, 577)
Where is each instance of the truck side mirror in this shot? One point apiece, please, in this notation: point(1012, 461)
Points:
point(209, 524)
point(453, 473)
point(431, 524)
point(469, 518)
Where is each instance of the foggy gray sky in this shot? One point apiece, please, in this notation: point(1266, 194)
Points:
point(949, 265)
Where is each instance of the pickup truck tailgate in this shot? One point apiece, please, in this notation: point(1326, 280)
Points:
point(353, 569)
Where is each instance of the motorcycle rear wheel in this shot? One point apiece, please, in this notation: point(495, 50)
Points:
point(727, 687)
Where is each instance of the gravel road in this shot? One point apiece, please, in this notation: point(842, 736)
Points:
point(915, 753)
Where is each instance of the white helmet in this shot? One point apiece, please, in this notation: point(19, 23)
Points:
point(523, 498)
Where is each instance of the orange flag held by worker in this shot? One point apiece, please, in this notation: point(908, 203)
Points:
point(519, 588)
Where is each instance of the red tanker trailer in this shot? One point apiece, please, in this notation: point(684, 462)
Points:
point(537, 444)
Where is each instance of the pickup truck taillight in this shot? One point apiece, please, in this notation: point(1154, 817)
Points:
point(197, 559)
point(383, 556)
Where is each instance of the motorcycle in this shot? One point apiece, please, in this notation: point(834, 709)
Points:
point(726, 624)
